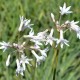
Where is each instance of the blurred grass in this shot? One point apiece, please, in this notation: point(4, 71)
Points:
point(39, 12)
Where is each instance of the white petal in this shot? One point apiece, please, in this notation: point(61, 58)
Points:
point(51, 33)
point(61, 45)
point(60, 8)
point(18, 63)
point(64, 6)
point(51, 42)
point(31, 33)
point(23, 64)
point(8, 60)
point(34, 53)
point(52, 16)
point(68, 8)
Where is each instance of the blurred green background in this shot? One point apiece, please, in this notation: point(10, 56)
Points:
point(39, 12)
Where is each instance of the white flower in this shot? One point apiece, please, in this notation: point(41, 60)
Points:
point(24, 23)
point(19, 69)
point(24, 60)
point(62, 41)
point(52, 16)
point(39, 37)
point(78, 34)
point(31, 33)
point(43, 34)
point(65, 10)
point(43, 52)
point(75, 27)
point(50, 38)
point(8, 60)
point(4, 45)
point(37, 40)
point(39, 58)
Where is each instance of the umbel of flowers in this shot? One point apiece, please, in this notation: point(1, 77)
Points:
point(38, 40)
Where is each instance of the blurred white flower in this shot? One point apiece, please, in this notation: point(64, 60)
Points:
point(44, 51)
point(62, 41)
point(50, 38)
point(24, 23)
point(4, 45)
point(39, 38)
point(8, 60)
point(31, 33)
point(24, 60)
point(43, 34)
point(38, 58)
point(75, 27)
point(65, 10)
point(19, 69)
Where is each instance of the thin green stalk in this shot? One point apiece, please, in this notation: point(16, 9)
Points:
point(55, 62)
point(60, 19)
point(34, 72)
point(55, 57)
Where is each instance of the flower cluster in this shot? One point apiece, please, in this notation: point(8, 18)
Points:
point(61, 28)
point(37, 41)
point(40, 39)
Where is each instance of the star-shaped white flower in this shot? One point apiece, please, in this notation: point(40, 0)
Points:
point(4, 45)
point(50, 38)
point(24, 23)
point(62, 41)
point(40, 36)
point(38, 58)
point(43, 33)
point(19, 69)
point(44, 51)
point(65, 10)
point(75, 27)
point(24, 60)
point(31, 33)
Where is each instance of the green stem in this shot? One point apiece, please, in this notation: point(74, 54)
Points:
point(55, 57)
point(54, 74)
point(55, 62)
point(60, 19)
